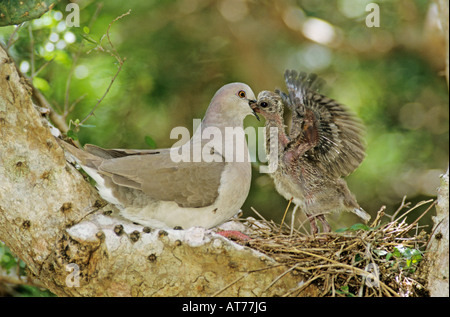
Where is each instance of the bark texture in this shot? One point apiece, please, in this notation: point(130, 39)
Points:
point(54, 220)
point(438, 247)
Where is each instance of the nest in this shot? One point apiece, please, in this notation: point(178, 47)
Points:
point(372, 261)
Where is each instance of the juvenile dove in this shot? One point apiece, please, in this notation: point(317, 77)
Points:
point(324, 143)
point(152, 188)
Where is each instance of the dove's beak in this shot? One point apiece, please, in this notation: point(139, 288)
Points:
point(253, 105)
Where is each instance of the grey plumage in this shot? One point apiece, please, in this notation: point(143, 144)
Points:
point(151, 188)
point(323, 144)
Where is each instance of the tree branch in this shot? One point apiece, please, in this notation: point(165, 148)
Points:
point(57, 224)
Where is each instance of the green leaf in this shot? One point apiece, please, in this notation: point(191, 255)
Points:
point(388, 256)
point(398, 251)
point(412, 256)
point(41, 84)
point(416, 255)
point(72, 134)
point(345, 291)
point(360, 226)
point(89, 39)
point(7, 259)
point(356, 227)
point(150, 142)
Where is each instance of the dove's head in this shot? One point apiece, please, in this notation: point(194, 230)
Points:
point(231, 104)
point(269, 105)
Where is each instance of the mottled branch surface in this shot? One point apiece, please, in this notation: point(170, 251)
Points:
point(54, 220)
point(438, 248)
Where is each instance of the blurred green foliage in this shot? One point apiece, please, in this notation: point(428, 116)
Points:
point(18, 11)
point(11, 266)
point(179, 52)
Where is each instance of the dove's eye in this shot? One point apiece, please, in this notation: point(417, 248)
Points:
point(241, 94)
point(264, 104)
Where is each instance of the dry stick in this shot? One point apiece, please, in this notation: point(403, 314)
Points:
point(280, 276)
point(285, 212)
point(417, 220)
point(333, 290)
point(260, 216)
point(351, 268)
point(380, 214)
point(302, 225)
point(402, 205)
point(416, 206)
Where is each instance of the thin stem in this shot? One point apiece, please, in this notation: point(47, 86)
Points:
point(75, 57)
point(30, 32)
point(119, 60)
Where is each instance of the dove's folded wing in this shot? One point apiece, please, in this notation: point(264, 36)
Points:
point(189, 184)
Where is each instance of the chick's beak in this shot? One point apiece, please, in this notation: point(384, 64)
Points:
point(254, 105)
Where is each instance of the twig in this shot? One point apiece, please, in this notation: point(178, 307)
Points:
point(380, 215)
point(119, 60)
point(72, 106)
point(11, 38)
point(402, 205)
point(43, 66)
point(75, 57)
point(417, 220)
point(416, 206)
point(30, 31)
point(285, 212)
point(280, 276)
point(269, 223)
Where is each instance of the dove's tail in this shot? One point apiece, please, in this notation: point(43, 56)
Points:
point(361, 213)
point(83, 158)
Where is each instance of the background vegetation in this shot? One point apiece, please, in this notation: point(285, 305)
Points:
point(179, 52)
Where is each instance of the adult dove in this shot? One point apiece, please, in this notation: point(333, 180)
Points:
point(324, 143)
point(162, 189)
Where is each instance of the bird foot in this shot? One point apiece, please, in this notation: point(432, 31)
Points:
point(313, 223)
point(325, 225)
point(234, 235)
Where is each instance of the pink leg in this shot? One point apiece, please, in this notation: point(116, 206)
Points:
point(234, 235)
point(325, 225)
point(312, 221)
